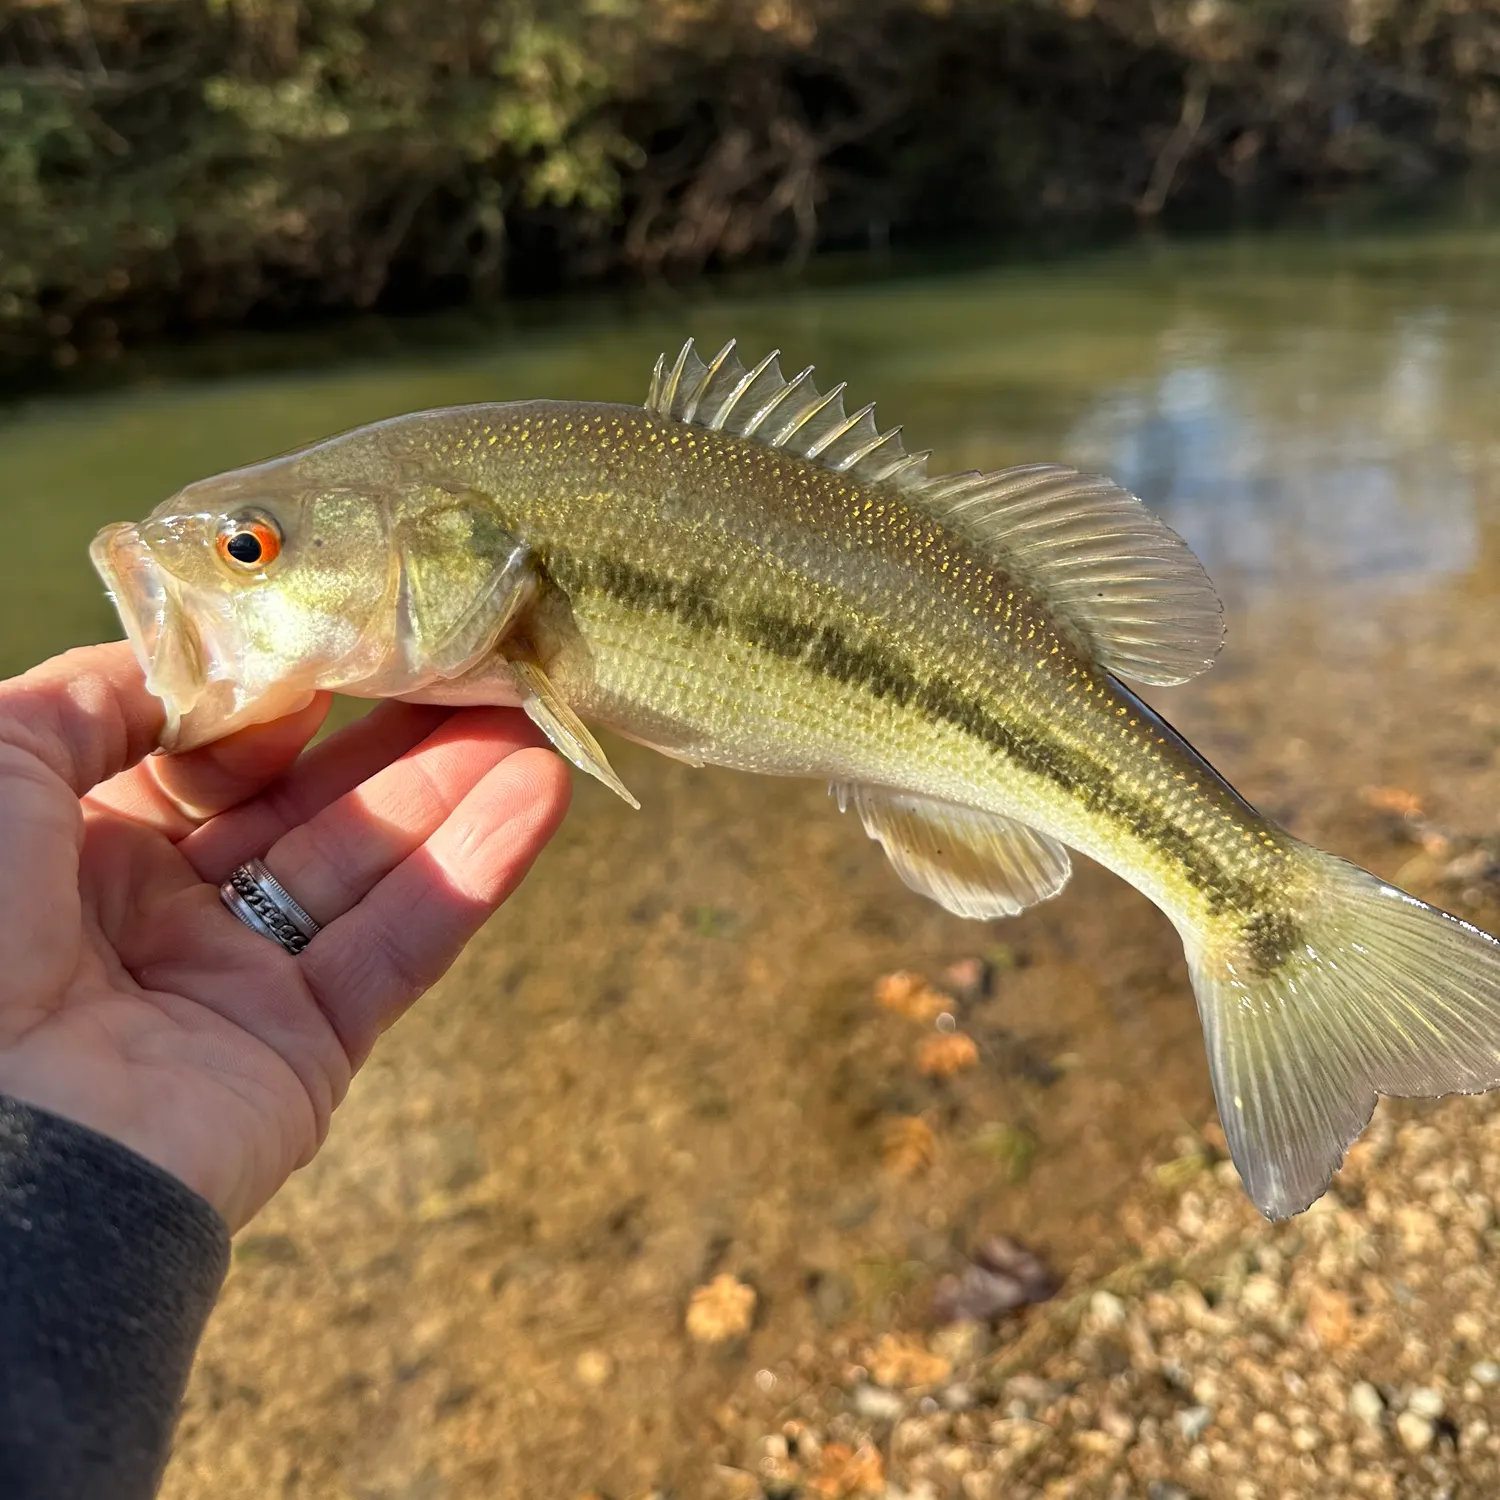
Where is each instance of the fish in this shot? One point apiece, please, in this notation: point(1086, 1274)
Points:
point(742, 573)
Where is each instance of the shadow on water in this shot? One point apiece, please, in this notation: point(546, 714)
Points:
point(663, 1059)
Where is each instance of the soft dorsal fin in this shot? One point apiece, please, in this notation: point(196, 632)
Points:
point(1135, 597)
point(1123, 584)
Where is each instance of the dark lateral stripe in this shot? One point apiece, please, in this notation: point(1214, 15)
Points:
point(825, 649)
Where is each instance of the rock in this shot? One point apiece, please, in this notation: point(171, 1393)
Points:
point(1486, 1372)
point(969, 978)
point(877, 1405)
point(1425, 1402)
point(945, 1055)
point(957, 1397)
point(960, 1342)
point(722, 1310)
point(1365, 1404)
point(1415, 1431)
point(902, 1362)
point(909, 995)
point(1260, 1294)
point(1106, 1312)
point(1164, 1489)
point(1194, 1421)
point(1000, 1277)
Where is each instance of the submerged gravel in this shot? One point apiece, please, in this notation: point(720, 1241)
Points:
point(1354, 1351)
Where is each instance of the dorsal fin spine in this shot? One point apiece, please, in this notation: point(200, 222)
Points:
point(747, 380)
point(859, 455)
point(806, 414)
point(753, 425)
point(706, 379)
point(669, 391)
point(847, 425)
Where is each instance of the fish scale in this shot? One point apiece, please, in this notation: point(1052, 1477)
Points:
point(739, 573)
point(1037, 725)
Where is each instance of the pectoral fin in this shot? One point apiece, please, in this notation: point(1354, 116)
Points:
point(463, 582)
point(569, 735)
point(972, 863)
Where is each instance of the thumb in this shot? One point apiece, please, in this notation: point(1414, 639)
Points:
point(85, 715)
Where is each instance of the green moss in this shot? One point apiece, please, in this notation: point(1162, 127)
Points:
point(1012, 1147)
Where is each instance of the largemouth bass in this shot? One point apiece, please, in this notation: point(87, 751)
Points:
point(739, 573)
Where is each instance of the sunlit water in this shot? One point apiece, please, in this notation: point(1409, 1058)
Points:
point(663, 1059)
point(1299, 409)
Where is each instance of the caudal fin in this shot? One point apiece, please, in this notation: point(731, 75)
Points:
point(1364, 991)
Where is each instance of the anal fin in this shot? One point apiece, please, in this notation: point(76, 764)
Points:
point(974, 864)
point(568, 733)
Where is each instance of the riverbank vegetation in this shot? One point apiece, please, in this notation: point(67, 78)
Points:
point(167, 165)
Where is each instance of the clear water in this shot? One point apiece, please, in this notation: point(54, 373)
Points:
point(663, 1059)
point(1301, 409)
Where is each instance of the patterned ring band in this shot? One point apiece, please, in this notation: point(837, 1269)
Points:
point(265, 906)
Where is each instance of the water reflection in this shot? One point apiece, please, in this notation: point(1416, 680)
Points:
point(1283, 479)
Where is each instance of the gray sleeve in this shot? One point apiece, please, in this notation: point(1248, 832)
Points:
point(109, 1267)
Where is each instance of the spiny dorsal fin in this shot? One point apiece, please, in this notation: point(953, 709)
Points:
point(1123, 583)
point(792, 414)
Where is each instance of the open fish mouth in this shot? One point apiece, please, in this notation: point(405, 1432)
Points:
point(159, 631)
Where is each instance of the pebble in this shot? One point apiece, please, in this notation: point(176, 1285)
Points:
point(1260, 1294)
point(1415, 1431)
point(1194, 1421)
point(1425, 1402)
point(1220, 1385)
point(1365, 1403)
point(1106, 1311)
point(722, 1310)
point(877, 1405)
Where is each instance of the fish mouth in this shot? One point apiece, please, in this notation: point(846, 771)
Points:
point(157, 627)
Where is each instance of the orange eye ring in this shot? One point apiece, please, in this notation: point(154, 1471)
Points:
point(249, 544)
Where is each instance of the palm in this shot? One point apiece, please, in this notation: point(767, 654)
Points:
point(131, 1001)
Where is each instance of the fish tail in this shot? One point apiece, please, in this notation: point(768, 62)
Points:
point(1351, 990)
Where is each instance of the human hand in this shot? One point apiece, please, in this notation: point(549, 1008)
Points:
point(132, 1002)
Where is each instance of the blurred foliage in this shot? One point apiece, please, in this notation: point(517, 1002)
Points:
point(166, 164)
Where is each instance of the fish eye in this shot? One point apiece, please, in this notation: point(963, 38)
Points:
point(249, 542)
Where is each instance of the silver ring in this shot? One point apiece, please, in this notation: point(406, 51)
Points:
point(265, 906)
